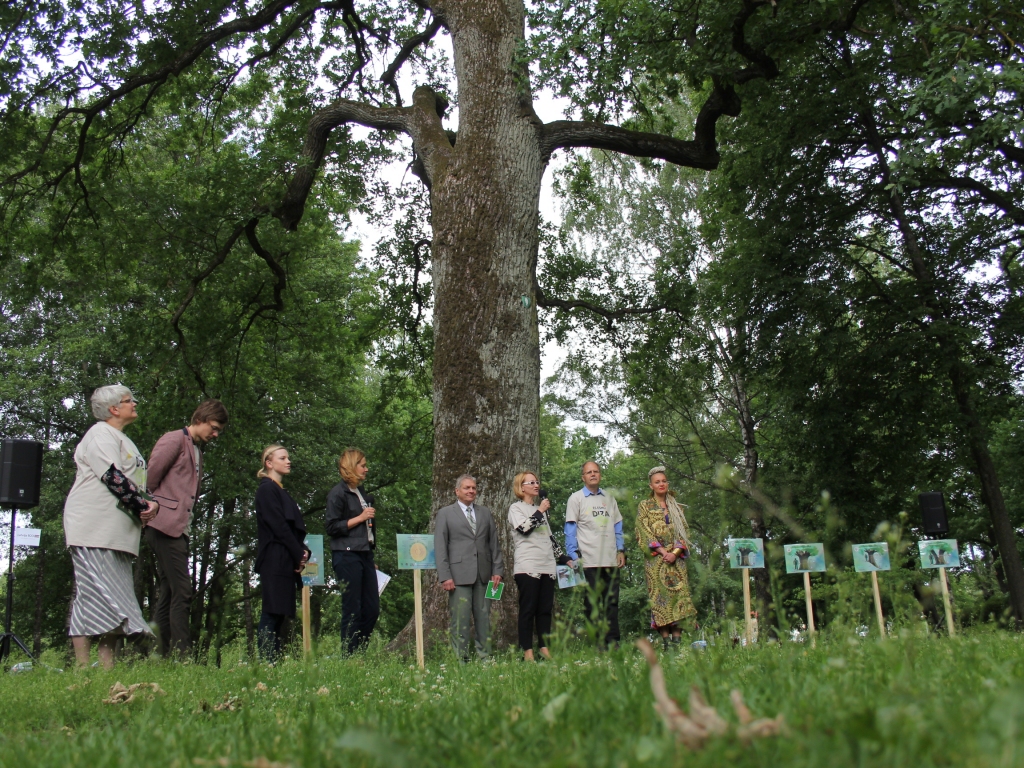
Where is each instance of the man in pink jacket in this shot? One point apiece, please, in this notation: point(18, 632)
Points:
point(174, 478)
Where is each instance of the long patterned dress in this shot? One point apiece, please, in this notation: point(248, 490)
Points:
point(667, 585)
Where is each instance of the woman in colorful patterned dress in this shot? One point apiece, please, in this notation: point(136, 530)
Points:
point(663, 535)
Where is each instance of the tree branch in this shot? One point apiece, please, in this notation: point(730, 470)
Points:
point(610, 315)
point(388, 78)
point(281, 277)
point(218, 259)
point(985, 192)
point(283, 38)
point(326, 120)
point(1011, 152)
point(182, 61)
point(566, 134)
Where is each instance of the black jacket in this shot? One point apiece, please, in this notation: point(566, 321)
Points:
point(280, 530)
point(342, 505)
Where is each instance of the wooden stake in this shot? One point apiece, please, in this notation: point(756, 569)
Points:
point(748, 625)
point(878, 604)
point(946, 602)
point(307, 639)
point(810, 607)
point(417, 588)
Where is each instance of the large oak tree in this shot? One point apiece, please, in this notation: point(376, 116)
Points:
point(76, 77)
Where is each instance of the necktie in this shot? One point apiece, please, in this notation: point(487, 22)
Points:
point(471, 516)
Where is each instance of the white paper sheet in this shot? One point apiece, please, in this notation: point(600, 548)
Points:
point(26, 537)
point(382, 581)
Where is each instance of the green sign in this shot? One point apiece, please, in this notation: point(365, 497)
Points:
point(494, 591)
point(313, 573)
point(416, 551)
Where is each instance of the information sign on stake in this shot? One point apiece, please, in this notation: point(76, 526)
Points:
point(806, 559)
point(941, 554)
point(416, 552)
point(312, 576)
point(745, 554)
point(872, 558)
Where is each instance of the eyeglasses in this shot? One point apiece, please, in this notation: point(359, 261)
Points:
point(128, 400)
point(531, 482)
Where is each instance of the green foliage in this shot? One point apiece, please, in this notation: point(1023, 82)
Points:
point(816, 325)
point(155, 285)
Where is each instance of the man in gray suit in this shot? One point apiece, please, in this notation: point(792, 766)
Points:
point(468, 557)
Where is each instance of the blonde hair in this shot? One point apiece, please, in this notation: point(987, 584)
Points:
point(347, 463)
point(517, 484)
point(267, 453)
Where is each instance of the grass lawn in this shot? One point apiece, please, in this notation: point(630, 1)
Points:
point(913, 701)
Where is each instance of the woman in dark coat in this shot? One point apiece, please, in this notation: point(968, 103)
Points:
point(281, 553)
point(351, 525)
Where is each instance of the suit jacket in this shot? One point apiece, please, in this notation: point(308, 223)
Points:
point(460, 555)
point(174, 480)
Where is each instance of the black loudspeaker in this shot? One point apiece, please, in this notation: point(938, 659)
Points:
point(21, 469)
point(933, 513)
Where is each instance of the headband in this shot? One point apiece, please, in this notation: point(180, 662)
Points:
point(655, 471)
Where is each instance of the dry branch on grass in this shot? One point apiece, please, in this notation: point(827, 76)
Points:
point(703, 722)
point(119, 694)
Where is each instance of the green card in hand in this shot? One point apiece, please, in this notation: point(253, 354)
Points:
point(494, 592)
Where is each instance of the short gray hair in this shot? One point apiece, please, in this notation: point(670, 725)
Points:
point(105, 398)
point(463, 478)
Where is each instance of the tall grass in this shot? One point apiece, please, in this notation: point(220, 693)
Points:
point(916, 700)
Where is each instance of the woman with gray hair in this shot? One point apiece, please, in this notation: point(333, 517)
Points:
point(103, 519)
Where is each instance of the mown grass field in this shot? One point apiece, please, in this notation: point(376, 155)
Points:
point(917, 700)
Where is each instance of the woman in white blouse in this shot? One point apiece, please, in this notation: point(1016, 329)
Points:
point(103, 519)
point(534, 563)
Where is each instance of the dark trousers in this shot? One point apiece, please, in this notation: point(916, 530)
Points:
point(173, 606)
point(536, 599)
point(601, 601)
point(272, 635)
point(360, 600)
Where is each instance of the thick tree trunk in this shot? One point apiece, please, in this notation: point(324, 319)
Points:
point(485, 216)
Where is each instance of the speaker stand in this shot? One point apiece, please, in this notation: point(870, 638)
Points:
point(8, 637)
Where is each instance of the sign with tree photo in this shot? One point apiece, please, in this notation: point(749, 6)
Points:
point(942, 553)
point(746, 553)
point(805, 558)
point(871, 557)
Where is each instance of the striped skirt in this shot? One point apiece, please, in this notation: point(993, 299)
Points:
point(104, 601)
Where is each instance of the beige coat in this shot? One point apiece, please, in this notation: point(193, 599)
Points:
point(91, 514)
